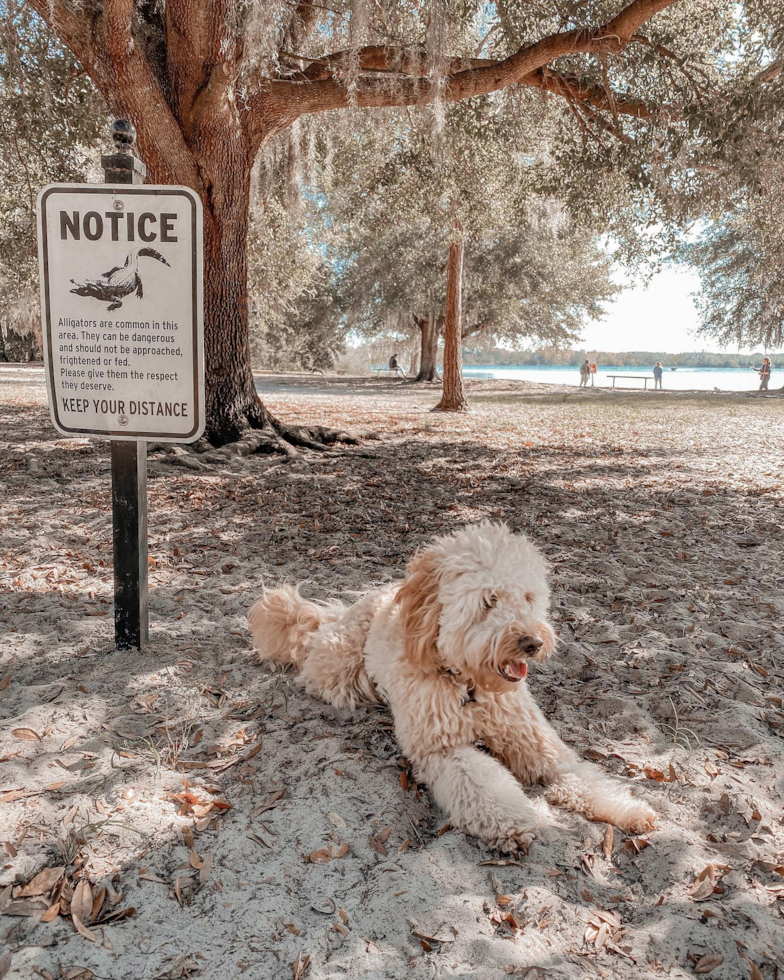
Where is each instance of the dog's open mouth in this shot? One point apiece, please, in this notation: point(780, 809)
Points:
point(513, 670)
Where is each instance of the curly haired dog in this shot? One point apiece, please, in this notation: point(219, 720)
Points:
point(449, 649)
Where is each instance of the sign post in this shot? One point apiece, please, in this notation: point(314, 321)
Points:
point(124, 347)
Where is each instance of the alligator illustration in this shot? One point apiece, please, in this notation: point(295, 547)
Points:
point(113, 286)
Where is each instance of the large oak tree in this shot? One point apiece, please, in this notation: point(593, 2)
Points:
point(208, 83)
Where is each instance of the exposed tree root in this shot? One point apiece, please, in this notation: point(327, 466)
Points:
point(463, 407)
point(260, 432)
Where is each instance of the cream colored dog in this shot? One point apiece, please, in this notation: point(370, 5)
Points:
point(448, 649)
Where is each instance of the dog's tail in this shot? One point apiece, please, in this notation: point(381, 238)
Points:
point(281, 622)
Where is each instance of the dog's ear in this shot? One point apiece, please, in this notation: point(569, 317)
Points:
point(420, 608)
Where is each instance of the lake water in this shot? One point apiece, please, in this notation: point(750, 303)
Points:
point(702, 379)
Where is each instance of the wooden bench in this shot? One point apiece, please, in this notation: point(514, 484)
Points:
point(387, 373)
point(636, 377)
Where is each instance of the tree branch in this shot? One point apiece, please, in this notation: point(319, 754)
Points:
point(135, 92)
point(204, 57)
point(101, 39)
point(379, 58)
point(330, 93)
point(303, 21)
point(484, 324)
point(584, 92)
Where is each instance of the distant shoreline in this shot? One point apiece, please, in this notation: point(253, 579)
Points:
point(474, 357)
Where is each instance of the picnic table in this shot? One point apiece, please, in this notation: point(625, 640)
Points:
point(636, 377)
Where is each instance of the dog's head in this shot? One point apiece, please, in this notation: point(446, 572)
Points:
point(475, 603)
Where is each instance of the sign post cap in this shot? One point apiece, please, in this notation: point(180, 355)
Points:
point(123, 133)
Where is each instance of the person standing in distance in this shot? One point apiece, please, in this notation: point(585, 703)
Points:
point(658, 371)
point(764, 373)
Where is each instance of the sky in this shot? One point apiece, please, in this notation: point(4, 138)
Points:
point(661, 317)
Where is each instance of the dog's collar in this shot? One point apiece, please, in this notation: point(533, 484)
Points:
point(468, 697)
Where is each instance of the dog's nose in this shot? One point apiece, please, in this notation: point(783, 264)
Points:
point(530, 644)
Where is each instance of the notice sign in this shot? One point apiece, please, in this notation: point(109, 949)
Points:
point(122, 310)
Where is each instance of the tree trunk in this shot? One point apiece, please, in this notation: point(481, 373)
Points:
point(453, 398)
point(413, 367)
point(428, 370)
point(232, 406)
point(231, 402)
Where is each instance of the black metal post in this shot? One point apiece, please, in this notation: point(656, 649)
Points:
point(129, 462)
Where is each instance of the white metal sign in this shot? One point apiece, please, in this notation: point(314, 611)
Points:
point(122, 310)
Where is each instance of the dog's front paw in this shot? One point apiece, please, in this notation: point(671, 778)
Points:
point(637, 818)
point(517, 839)
point(515, 842)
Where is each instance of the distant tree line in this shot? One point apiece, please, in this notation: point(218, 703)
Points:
point(573, 358)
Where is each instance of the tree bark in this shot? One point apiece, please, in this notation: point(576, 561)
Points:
point(428, 369)
point(413, 368)
point(453, 398)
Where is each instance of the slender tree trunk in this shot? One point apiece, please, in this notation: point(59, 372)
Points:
point(428, 370)
point(453, 398)
point(413, 368)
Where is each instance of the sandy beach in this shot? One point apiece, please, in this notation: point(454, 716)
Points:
point(229, 826)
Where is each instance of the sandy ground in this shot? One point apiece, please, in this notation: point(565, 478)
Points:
point(186, 813)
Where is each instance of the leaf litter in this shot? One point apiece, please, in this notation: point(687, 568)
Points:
point(669, 674)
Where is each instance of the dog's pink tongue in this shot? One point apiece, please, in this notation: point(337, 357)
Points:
point(517, 668)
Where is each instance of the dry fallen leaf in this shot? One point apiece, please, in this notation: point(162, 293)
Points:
point(607, 842)
point(82, 901)
point(82, 929)
point(754, 971)
point(206, 867)
point(320, 856)
point(271, 801)
point(708, 962)
point(601, 926)
point(42, 884)
point(25, 735)
point(114, 895)
point(98, 901)
point(17, 794)
point(706, 881)
point(300, 966)
point(51, 913)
